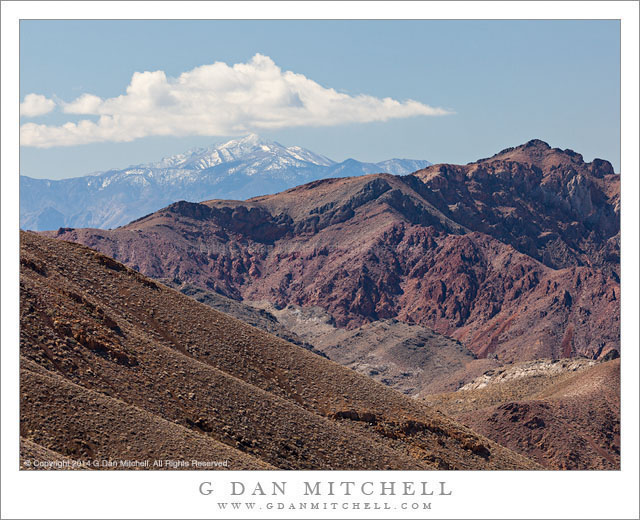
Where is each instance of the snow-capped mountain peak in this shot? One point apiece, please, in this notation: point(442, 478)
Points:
point(249, 148)
point(235, 169)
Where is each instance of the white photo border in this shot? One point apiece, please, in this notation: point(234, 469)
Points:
point(174, 494)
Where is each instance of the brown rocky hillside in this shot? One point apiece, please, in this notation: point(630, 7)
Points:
point(117, 366)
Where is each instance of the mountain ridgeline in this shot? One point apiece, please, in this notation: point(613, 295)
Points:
point(236, 169)
point(515, 256)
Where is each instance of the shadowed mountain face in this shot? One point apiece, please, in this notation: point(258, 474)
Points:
point(515, 256)
point(239, 168)
point(117, 366)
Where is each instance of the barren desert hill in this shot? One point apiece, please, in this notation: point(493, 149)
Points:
point(256, 317)
point(101, 343)
point(565, 414)
point(409, 358)
point(499, 254)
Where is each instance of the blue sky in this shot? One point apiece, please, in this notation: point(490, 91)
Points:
point(501, 82)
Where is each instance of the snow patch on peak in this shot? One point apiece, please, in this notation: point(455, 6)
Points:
point(251, 148)
point(303, 154)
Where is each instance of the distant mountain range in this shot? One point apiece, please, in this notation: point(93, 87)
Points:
point(237, 169)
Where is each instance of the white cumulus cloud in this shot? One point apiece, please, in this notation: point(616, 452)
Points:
point(85, 104)
point(214, 100)
point(36, 105)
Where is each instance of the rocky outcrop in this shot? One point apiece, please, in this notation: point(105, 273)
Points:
point(545, 202)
